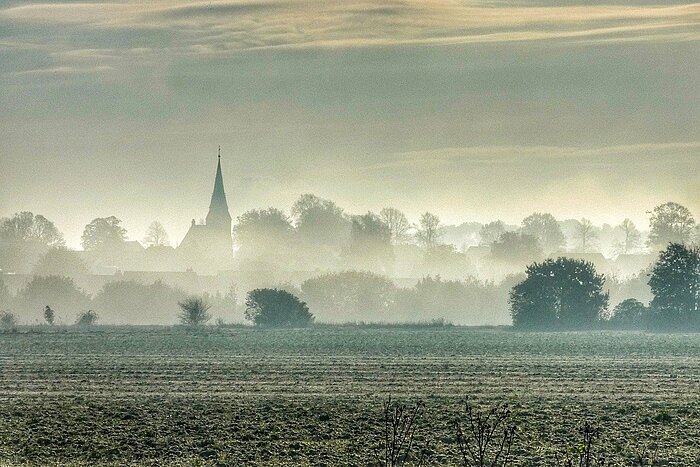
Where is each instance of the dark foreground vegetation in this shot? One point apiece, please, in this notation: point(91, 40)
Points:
point(315, 396)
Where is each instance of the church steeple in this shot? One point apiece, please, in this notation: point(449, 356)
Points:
point(218, 208)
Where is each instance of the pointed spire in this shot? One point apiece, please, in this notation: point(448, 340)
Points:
point(218, 208)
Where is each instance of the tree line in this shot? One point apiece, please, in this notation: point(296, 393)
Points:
point(318, 234)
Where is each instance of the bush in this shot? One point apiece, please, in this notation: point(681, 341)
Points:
point(276, 308)
point(195, 311)
point(629, 314)
point(7, 321)
point(86, 318)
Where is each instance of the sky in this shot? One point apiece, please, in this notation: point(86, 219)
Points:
point(473, 110)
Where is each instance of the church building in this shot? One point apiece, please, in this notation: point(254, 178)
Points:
point(208, 247)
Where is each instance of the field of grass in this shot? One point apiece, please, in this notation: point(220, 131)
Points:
point(154, 396)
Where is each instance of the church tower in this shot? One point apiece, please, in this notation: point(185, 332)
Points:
point(208, 248)
point(218, 216)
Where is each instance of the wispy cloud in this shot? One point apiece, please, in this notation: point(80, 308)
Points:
point(226, 26)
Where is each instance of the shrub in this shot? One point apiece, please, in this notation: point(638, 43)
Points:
point(350, 296)
point(195, 311)
point(400, 424)
point(486, 437)
point(276, 308)
point(49, 315)
point(629, 314)
point(86, 318)
point(7, 321)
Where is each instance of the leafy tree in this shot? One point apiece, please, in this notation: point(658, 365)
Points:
point(491, 232)
point(60, 291)
point(675, 284)
point(349, 296)
point(264, 235)
point(25, 227)
point(276, 308)
point(670, 223)
point(631, 238)
point(103, 232)
point(156, 235)
point(562, 293)
point(60, 261)
point(8, 321)
point(516, 247)
point(586, 235)
point(629, 314)
point(49, 315)
point(320, 221)
point(397, 222)
point(370, 243)
point(545, 228)
point(86, 318)
point(429, 231)
point(195, 311)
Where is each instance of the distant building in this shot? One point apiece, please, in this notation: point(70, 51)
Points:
point(208, 247)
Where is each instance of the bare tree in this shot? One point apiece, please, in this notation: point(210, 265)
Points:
point(585, 234)
point(429, 231)
point(156, 235)
point(631, 240)
point(397, 222)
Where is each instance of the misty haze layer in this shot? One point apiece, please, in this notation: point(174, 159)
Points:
point(472, 110)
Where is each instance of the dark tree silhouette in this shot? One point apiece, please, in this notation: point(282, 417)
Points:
point(195, 311)
point(103, 232)
point(276, 308)
point(630, 314)
point(670, 223)
point(562, 293)
point(675, 284)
